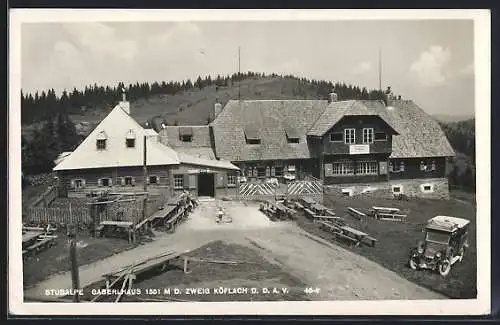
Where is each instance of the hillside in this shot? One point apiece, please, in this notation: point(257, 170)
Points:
point(191, 107)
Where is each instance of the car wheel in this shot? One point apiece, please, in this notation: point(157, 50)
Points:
point(461, 254)
point(444, 267)
point(413, 264)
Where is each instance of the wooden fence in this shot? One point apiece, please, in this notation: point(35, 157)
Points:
point(41, 215)
point(46, 198)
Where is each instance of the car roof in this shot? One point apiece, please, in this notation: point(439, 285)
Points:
point(447, 223)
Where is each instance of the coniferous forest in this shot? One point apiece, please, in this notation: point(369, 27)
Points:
point(56, 132)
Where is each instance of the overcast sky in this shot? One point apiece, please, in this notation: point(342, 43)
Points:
point(430, 62)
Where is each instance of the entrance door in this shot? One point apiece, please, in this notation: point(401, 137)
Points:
point(206, 185)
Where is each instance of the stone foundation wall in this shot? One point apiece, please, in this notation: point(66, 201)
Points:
point(431, 188)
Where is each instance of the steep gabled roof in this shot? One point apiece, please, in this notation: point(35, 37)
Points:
point(200, 145)
point(420, 135)
point(114, 128)
point(335, 111)
point(170, 136)
point(270, 118)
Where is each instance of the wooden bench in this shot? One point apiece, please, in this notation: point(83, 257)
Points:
point(392, 216)
point(325, 225)
point(330, 213)
point(370, 240)
point(39, 246)
point(309, 213)
point(299, 206)
point(352, 241)
point(356, 213)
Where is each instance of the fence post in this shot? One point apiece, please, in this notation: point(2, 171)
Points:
point(74, 268)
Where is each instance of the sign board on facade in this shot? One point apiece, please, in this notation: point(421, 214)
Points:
point(328, 170)
point(383, 168)
point(358, 149)
point(199, 171)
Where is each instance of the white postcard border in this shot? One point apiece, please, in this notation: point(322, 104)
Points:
point(482, 50)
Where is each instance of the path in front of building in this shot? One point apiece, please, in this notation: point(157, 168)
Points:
point(339, 273)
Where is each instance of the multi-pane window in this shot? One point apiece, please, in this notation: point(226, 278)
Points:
point(231, 179)
point(367, 135)
point(153, 179)
point(350, 136)
point(101, 144)
point(129, 180)
point(178, 181)
point(101, 141)
point(342, 168)
point(261, 171)
point(278, 171)
point(366, 168)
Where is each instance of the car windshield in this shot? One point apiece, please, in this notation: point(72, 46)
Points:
point(438, 237)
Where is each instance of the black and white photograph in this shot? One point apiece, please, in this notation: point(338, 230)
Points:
point(287, 162)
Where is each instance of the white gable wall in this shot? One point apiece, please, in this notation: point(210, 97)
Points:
point(116, 126)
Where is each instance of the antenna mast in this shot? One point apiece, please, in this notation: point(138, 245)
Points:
point(239, 74)
point(379, 69)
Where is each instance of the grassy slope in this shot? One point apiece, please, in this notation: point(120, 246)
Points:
point(396, 239)
point(192, 107)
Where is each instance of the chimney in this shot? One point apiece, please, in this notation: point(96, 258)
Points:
point(218, 109)
point(124, 104)
point(215, 111)
point(333, 97)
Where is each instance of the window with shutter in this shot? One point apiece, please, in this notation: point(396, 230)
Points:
point(268, 171)
point(273, 171)
point(133, 180)
point(99, 182)
point(72, 182)
point(186, 181)
point(123, 181)
point(192, 181)
point(83, 183)
point(220, 180)
point(178, 181)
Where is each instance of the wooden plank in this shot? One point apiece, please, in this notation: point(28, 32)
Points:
point(371, 240)
point(353, 231)
point(359, 213)
point(385, 209)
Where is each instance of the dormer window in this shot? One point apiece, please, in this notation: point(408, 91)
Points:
point(367, 135)
point(130, 139)
point(350, 136)
point(101, 141)
point(252, 136)
point(292, 135)
point(186, 134)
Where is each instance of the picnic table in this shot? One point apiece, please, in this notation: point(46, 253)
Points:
point(29, 238)
point(117, 229)
point(34, 241)
point(356, 236)
point(319, 208)
point(392, 214)
point(308, 202)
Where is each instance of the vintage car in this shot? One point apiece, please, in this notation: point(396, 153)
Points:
point(446, 239)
